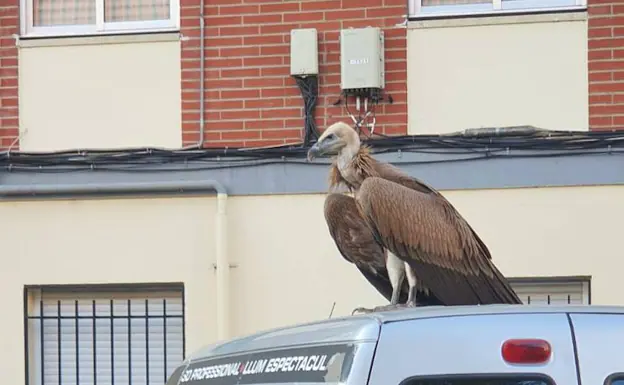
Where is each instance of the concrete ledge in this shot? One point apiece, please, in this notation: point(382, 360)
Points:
point(278, 176)
point(99, 40)
point(512, 17)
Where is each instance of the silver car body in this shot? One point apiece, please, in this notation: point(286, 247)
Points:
point(422, 346)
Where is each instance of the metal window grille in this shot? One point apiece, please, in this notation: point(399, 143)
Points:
point(126, 337)
point(553, 290)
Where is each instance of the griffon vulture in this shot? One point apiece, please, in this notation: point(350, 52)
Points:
point(442, 254)
point(357, 244)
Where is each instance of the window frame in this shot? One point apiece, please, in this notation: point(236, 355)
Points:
point(100, 28)
point(618, 376)
point(520, 376)
point(584, 280)
point(32, 294)
point(493, 8)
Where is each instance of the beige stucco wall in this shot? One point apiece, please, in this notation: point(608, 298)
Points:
point(100, 93)
point(504, 71)
point(288, 269)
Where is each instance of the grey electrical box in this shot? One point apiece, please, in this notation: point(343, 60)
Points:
point(303, 52)
point(361, 58)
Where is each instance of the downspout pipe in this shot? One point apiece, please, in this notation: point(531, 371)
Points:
point(202, 70)
point(222, 265)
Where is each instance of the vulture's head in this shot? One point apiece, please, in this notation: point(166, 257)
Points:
point(335, 139)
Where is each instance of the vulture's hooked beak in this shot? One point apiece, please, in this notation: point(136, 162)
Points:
point(325, 146)
point(315, 151)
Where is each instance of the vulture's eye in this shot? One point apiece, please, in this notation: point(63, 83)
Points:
point(331, 136)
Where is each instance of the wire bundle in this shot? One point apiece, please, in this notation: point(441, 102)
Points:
point(308, 85)
point(461, 147)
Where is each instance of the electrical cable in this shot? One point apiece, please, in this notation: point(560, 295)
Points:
point(308, 85)
point(256, 163)
point(457, 147)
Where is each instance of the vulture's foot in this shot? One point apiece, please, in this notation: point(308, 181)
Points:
point(361, 310)
point(389, 307)
point(419, 304)
point(413, 304)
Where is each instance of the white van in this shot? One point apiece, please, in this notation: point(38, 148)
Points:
point(441, 345)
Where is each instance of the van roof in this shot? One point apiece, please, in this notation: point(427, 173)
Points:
point(365, 327)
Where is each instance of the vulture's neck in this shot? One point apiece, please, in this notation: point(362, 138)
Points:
point(346, 158)
point(351, 167)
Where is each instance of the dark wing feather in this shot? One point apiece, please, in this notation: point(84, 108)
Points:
point(357, 244)
point(427, 232)
point(394, 174)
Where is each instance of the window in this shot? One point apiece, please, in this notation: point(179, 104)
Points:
point(553, 290)
point(72, 339)
point(437, 8)
point(92, 17)
point(615, 379)
point(476, 379)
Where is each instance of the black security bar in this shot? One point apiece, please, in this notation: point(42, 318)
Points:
point(569, 299)
point(60, 318)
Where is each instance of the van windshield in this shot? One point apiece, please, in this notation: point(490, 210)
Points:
point(310, 364)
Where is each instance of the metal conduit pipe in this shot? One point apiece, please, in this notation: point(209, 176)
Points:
point(223, 265)
point(202, 70)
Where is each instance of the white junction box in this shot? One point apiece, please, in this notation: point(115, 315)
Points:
point(361, 58)
point(303, 52)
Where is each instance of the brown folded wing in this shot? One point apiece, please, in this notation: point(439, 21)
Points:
point(425, 230)
point(357, 244)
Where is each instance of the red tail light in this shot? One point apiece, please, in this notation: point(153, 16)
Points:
point(526, 351)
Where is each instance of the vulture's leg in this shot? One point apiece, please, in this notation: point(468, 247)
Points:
point(411, 279)
point(396, 273)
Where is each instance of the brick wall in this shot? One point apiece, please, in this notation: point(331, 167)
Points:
point(606, 64)
point(9, 22)
point(250, 98)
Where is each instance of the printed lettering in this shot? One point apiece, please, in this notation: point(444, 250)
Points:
point(250, 368)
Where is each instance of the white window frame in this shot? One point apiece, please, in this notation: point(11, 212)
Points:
point(495, 7)
point(100, 27)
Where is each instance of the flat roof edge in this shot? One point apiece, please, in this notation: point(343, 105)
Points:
point(349, 329)
point(366, 327)
point(467, 310)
